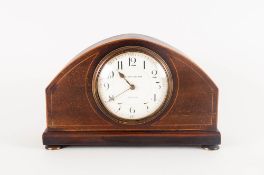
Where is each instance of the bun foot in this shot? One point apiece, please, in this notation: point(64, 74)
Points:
point(210, 147)
point(53, 147)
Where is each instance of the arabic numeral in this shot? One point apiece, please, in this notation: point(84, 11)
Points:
point(154, 73)
point(119, 65)
point(111, 75)
point(132, 61)
point(132, 110)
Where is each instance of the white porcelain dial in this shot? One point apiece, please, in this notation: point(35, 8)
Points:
point(132, 85)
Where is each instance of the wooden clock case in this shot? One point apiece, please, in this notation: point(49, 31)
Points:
point(73, 117)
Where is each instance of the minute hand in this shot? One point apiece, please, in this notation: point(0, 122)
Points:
point(113, 98)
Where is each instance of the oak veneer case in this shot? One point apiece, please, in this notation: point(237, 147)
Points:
point(73, 117)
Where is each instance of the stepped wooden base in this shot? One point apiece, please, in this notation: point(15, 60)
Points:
point(205, 139)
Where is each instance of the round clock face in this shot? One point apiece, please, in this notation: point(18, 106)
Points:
point(132, 84)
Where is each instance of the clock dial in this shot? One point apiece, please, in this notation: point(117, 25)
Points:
point(133, 84)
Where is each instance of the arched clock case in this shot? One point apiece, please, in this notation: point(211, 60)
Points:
point(77, 115)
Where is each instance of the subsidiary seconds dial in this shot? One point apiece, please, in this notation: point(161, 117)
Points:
point(132, 84)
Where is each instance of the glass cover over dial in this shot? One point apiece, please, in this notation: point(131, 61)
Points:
point(133, 85)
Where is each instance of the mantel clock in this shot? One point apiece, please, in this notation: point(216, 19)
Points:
point(131, 90)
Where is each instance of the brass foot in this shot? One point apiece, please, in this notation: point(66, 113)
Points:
point(53, 147)
point(210, 147)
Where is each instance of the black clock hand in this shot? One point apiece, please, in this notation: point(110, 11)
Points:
point(123, 76)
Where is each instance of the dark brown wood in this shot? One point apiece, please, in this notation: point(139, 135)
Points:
point(73, 117)
point(131, 138)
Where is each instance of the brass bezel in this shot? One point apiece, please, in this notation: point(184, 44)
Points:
point(113, 116)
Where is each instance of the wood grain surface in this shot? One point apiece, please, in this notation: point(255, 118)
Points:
point(73, 117)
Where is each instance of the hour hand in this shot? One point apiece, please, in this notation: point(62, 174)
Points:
point(121, 75)
point(132, 87)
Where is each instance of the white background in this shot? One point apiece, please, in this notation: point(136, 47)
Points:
point(225, 38)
